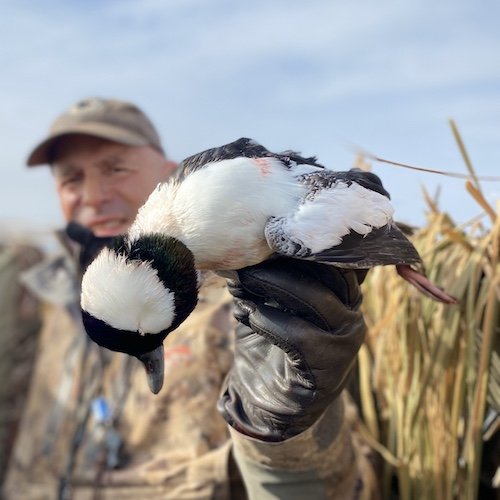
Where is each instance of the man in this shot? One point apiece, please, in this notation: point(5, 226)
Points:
point(91, 428)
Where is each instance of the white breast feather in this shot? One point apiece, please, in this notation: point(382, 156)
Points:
point(157, 215)
point(219, 212)
point(321, 223)
point(126, 295)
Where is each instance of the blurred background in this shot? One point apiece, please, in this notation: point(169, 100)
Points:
point(312, 76)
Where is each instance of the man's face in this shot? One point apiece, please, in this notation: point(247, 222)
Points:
point(101, 184)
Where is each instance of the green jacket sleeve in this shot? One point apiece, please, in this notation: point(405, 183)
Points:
point(324, 462)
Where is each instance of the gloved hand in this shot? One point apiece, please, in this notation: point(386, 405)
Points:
point(90, 245)
point(298, 335)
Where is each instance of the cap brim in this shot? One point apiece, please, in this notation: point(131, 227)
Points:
point(42, 154)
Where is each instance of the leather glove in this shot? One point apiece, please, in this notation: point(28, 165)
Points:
point(90, 245)
point(298, 335)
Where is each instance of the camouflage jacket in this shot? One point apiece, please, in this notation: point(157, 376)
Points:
point(91, 428)
point(19, 324)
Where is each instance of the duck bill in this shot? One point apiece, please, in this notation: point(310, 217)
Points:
point(154, 363)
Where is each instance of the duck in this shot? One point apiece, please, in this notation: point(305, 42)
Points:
point(231, 207)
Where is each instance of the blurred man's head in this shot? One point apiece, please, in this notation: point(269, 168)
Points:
point(106, 157)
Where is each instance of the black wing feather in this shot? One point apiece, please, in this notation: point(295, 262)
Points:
point(243, 147)
point(325, 179)
point(383, 246)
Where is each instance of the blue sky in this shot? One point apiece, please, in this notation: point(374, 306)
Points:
point(312, 76)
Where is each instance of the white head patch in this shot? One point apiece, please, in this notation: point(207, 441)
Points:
point(127, 295)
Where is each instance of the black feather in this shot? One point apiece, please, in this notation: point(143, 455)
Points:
point(125, 341)
point(325, 179)
point(243, 147)
point(383, 246)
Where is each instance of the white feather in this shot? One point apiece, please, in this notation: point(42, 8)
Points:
point(126, 295)
point(219, 212)
point(322, 222)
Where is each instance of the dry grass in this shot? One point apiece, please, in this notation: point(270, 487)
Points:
point(425, 368)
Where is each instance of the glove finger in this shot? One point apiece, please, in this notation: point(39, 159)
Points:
point(340, 281)
point(302, 293)
point(361, 274)
point(312, 348)
point(236, 289)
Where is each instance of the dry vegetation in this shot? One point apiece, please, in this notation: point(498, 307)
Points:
point(429, 372)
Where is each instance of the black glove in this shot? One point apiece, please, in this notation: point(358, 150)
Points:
point(90, 245)
point(299, 333)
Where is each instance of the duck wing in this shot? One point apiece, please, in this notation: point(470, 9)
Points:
point(344, 218)
point(382, 246)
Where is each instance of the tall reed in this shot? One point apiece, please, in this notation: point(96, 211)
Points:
point(426, 368)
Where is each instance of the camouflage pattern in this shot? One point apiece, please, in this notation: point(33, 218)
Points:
point(19, 324)
point(173, 445)
point(92, 429)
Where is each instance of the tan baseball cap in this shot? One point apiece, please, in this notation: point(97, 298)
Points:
point(111, 119)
